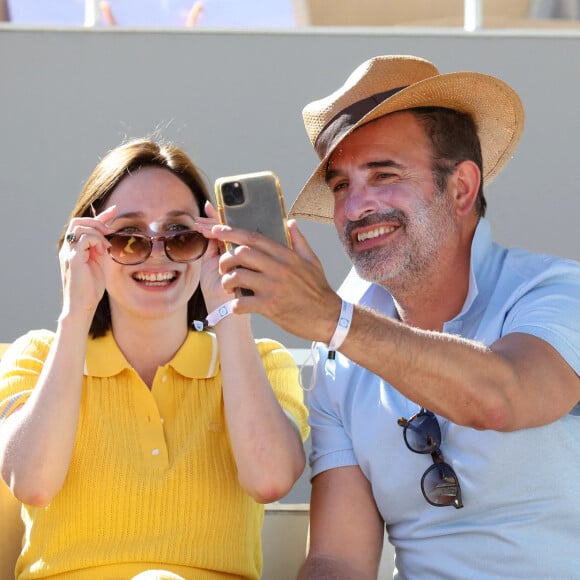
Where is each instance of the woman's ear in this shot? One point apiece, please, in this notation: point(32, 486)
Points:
point(464, 184)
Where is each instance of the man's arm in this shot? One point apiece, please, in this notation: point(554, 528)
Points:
point(520, 381)
point(346, 528)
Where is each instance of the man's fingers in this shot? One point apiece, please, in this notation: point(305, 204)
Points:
point(251, 239)
point(299, 243)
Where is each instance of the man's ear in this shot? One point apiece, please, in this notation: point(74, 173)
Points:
point(463, 186)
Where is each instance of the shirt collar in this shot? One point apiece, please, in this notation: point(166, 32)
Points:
point(481, 247)
point(196, 358)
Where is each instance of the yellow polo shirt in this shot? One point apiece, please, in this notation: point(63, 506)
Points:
point(152, 483)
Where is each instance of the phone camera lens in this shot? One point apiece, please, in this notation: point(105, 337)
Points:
point(233, 193)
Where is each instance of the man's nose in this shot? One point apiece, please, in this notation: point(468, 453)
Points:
point(360, 202)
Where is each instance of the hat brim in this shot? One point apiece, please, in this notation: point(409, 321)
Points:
point(494, 106)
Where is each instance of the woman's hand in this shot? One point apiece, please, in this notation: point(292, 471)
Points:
point(81, 262)
point(211, 279)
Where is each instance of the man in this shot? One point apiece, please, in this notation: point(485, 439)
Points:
point(451, 410)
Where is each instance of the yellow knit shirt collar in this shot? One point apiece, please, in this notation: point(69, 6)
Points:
point(105, 359)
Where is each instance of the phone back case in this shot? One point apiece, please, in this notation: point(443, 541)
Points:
point(253, 201)
point(260, 207)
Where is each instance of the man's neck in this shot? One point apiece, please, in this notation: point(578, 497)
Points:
point(427, 302)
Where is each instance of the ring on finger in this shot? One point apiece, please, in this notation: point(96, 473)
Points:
point(71, 238)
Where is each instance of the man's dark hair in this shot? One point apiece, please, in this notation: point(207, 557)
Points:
point(453, 135)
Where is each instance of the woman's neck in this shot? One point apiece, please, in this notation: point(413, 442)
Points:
point(149, 344)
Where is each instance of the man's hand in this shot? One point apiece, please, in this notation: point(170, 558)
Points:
point(290, 286)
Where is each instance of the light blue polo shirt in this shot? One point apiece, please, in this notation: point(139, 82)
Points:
point(521, 490)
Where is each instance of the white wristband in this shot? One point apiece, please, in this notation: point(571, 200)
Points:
point(219, 313)
point(342, 326)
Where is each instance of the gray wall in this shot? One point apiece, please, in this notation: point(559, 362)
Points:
point(233, 101)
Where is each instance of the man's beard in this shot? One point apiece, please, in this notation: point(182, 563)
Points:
point(404, 261)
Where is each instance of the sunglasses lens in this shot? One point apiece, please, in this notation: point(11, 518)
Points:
point(422, 433)
point(186, 246)
point(440, 486)
point(128, 249)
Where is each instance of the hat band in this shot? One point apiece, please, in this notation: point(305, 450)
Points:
point(343, 122)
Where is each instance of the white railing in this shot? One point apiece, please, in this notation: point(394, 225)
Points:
point(91, 12)
point(472, 15)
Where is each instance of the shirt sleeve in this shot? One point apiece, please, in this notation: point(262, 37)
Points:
point(331, 443)
point(20, 368)
point(283, 374)
point(550, 310)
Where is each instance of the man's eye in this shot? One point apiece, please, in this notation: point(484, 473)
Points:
point(340, 186)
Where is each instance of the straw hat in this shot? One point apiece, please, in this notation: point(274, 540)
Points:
point(386, 84)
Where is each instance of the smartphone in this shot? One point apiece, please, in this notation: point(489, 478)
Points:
point(253, 201)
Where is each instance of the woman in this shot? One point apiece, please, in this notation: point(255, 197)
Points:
point(138, 448)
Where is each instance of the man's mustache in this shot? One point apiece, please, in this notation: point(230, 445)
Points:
point(392, 215)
